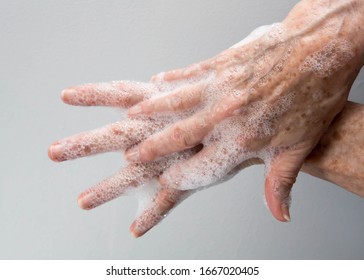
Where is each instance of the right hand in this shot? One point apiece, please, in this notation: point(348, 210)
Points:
point(270, 99)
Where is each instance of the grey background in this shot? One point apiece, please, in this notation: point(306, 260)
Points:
point(48, 45)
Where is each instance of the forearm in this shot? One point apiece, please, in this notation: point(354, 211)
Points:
point(339, 156)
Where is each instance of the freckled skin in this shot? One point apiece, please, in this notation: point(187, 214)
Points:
point(315, 47)
point(339, 156)
point(269, 100)
point(336, 159)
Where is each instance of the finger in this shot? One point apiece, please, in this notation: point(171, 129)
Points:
point(280, 177)
point(211, 165)
point(184, 73)
point(131, 176)
point(165, 200)
point(119, 94)
point(180, 136)
point(187, 133)
point(117, 136)
point(179, 100)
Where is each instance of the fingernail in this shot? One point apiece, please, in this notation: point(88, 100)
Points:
point(55, 152)
point(135, 110)
point(67, 93)
point(286, 215)
point(133, 154)
point(287, 218)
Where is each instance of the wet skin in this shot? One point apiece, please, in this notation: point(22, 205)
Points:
point(269, 100)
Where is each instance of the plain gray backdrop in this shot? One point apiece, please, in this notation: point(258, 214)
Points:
point(48, 45)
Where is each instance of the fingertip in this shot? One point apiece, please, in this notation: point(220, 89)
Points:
point(67, 94)
point(82, 203)
point(50, 153)
point(278, 204)
point(88, 200)
point(55, 152)
point(134, 230)
point(64, 94)
point(286, 215)
point(274, 208)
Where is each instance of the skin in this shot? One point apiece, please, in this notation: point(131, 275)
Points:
point(269, 100)
point(311, 60)
point(337, 158)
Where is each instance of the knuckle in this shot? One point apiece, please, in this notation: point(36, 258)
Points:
point(167, 200)
point(177, 136)
point(147, 150)
point(146, 107)
point(181, 138)
point(190, 139)
point(282, 186)
point(176, 103)
point(117, 128)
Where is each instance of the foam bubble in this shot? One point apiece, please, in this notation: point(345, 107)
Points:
point(237, 139)
point(145, 195)
point(329, 59)
point(233, 141)
point(255, 34)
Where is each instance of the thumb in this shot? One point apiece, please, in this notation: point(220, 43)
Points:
point(280, 176)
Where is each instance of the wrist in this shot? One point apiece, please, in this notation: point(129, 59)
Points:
point(338, 156)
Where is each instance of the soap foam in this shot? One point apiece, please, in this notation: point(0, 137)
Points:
point(238, 136)
point(250, 124)
point(117, 136)
point(329, 59)
point(116, 93)
point(255, 34)
point(256, 121)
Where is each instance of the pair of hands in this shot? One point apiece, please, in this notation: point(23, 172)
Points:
point(267, 99)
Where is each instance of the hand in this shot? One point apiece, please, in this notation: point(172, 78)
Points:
point(336, 153)
point(270, 98)
point(260, 122)
point(155, 201)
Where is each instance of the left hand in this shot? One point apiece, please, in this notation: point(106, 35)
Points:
point(155, 200)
